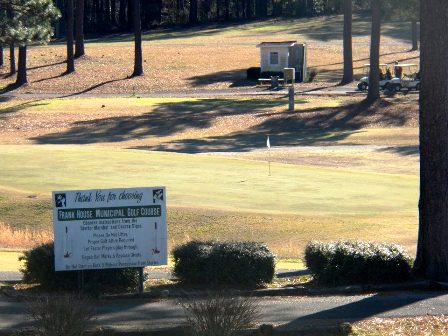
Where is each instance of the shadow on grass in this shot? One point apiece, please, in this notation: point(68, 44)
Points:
point(47, 65)
point(166, 119)
point(96, 86)
point(21, 106)
point(10, 87)
point(314, 126)
point(237, 78)
point(402, 150)
point(51, 77)
point(356, 311)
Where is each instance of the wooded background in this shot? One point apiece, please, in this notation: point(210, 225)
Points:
point(104, 16)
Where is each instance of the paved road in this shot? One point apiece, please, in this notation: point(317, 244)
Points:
point(292, 313)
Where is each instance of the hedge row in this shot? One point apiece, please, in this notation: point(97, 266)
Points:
point(224, 263)
point(39, 268)
point(357, 262)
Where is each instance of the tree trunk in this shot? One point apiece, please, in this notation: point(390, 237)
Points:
point(277, 8)
point(138, 57)
point(122, 14)
point(374, 76)
point(12, 59)
point(1, 55)
point(414, 30)
point(348, 46)
point(79, 29)
point(432, 251)
point(193, 13)
point(106, 13)
point(21, 73)
point(113, 13)
point(130, 14)
point(69, 29)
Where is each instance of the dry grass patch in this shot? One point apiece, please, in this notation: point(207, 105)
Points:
point(23, 238)
point(409, 326)
point(206, 58)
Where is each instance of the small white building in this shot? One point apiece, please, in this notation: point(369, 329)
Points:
point(275, 56)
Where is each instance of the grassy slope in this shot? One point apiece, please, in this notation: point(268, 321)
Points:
point(211, 197)
point(237, 201)
point(234, 184)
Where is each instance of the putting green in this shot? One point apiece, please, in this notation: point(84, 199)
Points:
point(209, 182)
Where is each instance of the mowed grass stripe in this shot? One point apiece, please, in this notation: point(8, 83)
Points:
point(209, 182)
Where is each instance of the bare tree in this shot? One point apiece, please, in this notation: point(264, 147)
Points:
point(348, 46)
point(432, 252)
point(193, 12)
point(374, 75)
point(69, 23)
point(138, 54)
point(79, 29)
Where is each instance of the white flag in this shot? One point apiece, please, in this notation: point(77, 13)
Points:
point(268, 143)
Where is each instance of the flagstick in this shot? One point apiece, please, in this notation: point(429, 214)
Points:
point(268, 144)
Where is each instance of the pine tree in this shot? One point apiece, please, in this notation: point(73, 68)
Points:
point(29, 22)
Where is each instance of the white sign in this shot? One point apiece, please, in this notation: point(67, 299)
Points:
point(109, 228)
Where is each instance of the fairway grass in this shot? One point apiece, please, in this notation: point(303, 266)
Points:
point(209, 182)
point(220, 198)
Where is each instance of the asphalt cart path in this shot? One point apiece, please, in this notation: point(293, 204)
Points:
point(286, 313)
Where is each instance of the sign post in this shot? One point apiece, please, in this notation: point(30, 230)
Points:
point(110, 228)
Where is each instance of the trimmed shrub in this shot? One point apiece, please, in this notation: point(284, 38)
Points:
point(357, 262)
point(253, 73)
point(245, 264)
point(39, 268)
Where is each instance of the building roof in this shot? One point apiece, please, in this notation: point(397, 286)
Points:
point(277, 44)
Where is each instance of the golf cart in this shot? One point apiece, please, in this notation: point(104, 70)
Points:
point(385, 77)
point(406, 76)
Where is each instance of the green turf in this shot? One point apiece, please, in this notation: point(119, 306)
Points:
point(208, 182)
point(9, 261)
